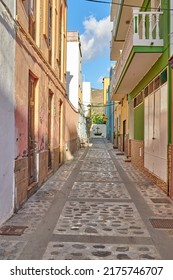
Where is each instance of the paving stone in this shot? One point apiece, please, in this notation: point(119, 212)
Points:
point(115, 225)
point(123, 257)
point(98, 190)
point(11, 249)
point(85, 176)
point(94, 251)
point(101, 254)
point(98, 206)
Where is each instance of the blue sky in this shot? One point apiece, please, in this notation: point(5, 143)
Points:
point(92, 22)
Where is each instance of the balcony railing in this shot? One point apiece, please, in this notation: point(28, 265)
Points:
point(144, 30)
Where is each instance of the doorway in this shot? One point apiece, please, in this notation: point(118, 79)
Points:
point(124, 135)
point(49, 130)
point(156, 132)
point(60, 133)
point(31, 131)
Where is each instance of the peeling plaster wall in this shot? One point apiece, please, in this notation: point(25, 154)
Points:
point(32, 58)
point(7, 134)
point(71, 131)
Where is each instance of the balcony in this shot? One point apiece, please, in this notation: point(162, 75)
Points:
point(142, 47)
point(121, 15)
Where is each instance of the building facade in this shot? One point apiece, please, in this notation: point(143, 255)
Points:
point(141, 46)
point(171, 157)
point(7, 107)
point(121, 113)
point(109, 110)
point(38, 123)
point(74, 75)
point(86, 103)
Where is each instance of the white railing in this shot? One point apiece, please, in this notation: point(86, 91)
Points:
point(144, 30)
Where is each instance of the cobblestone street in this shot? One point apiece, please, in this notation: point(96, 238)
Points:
point(96, 206)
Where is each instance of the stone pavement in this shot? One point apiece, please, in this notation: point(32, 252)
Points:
point(97, 206)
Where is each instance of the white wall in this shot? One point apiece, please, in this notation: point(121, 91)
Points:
point(97, 129)
point(7, 131)
point(73, 66)
point(86, 95)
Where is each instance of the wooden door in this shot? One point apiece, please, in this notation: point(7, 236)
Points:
point(60, 132)
point(124, 135)
point(31, 131)
point(49, 129)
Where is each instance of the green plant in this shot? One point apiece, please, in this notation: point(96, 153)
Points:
point(97, 118)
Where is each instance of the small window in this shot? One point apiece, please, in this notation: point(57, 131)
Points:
point(150, 88)
point(32, 18)
point(163, 77)
point(157, 82)
point(138, 99)
point(146, 91)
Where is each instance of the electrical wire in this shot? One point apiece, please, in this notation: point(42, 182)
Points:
point(124, 5)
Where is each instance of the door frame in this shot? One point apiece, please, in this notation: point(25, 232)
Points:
point(32, 152)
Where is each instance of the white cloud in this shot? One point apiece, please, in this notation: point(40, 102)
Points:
point(100, 80)
point(112, 66)
point(95, 40)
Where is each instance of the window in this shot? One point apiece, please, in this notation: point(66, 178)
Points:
point(146, 91)
point(47, 26)
point(32, 18)
point(156, 83)
point(138, 99)
point(163, 77)
point(60, 40)
point(50, 31)
point(49, 23)
point(150, 88)
point(45, 18)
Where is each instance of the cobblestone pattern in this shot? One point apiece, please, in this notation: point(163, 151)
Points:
point(150, 191)
point(10, 249)
point(83, 251)
point(34, 209)
point(93, 165)
point(62, 175)
point(98, 146)
point(101, 218)
point(84, 176)
point(98, 153)
point(99, 191)
point(133, 174)
point(100, 183)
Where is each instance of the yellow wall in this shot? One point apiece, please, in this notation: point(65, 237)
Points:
point(58, 38)
point(121, 112)
point(106, 82)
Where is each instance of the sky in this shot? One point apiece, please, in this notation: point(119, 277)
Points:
point(92, 21)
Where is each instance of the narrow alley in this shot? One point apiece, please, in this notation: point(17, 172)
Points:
point(96, 206)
